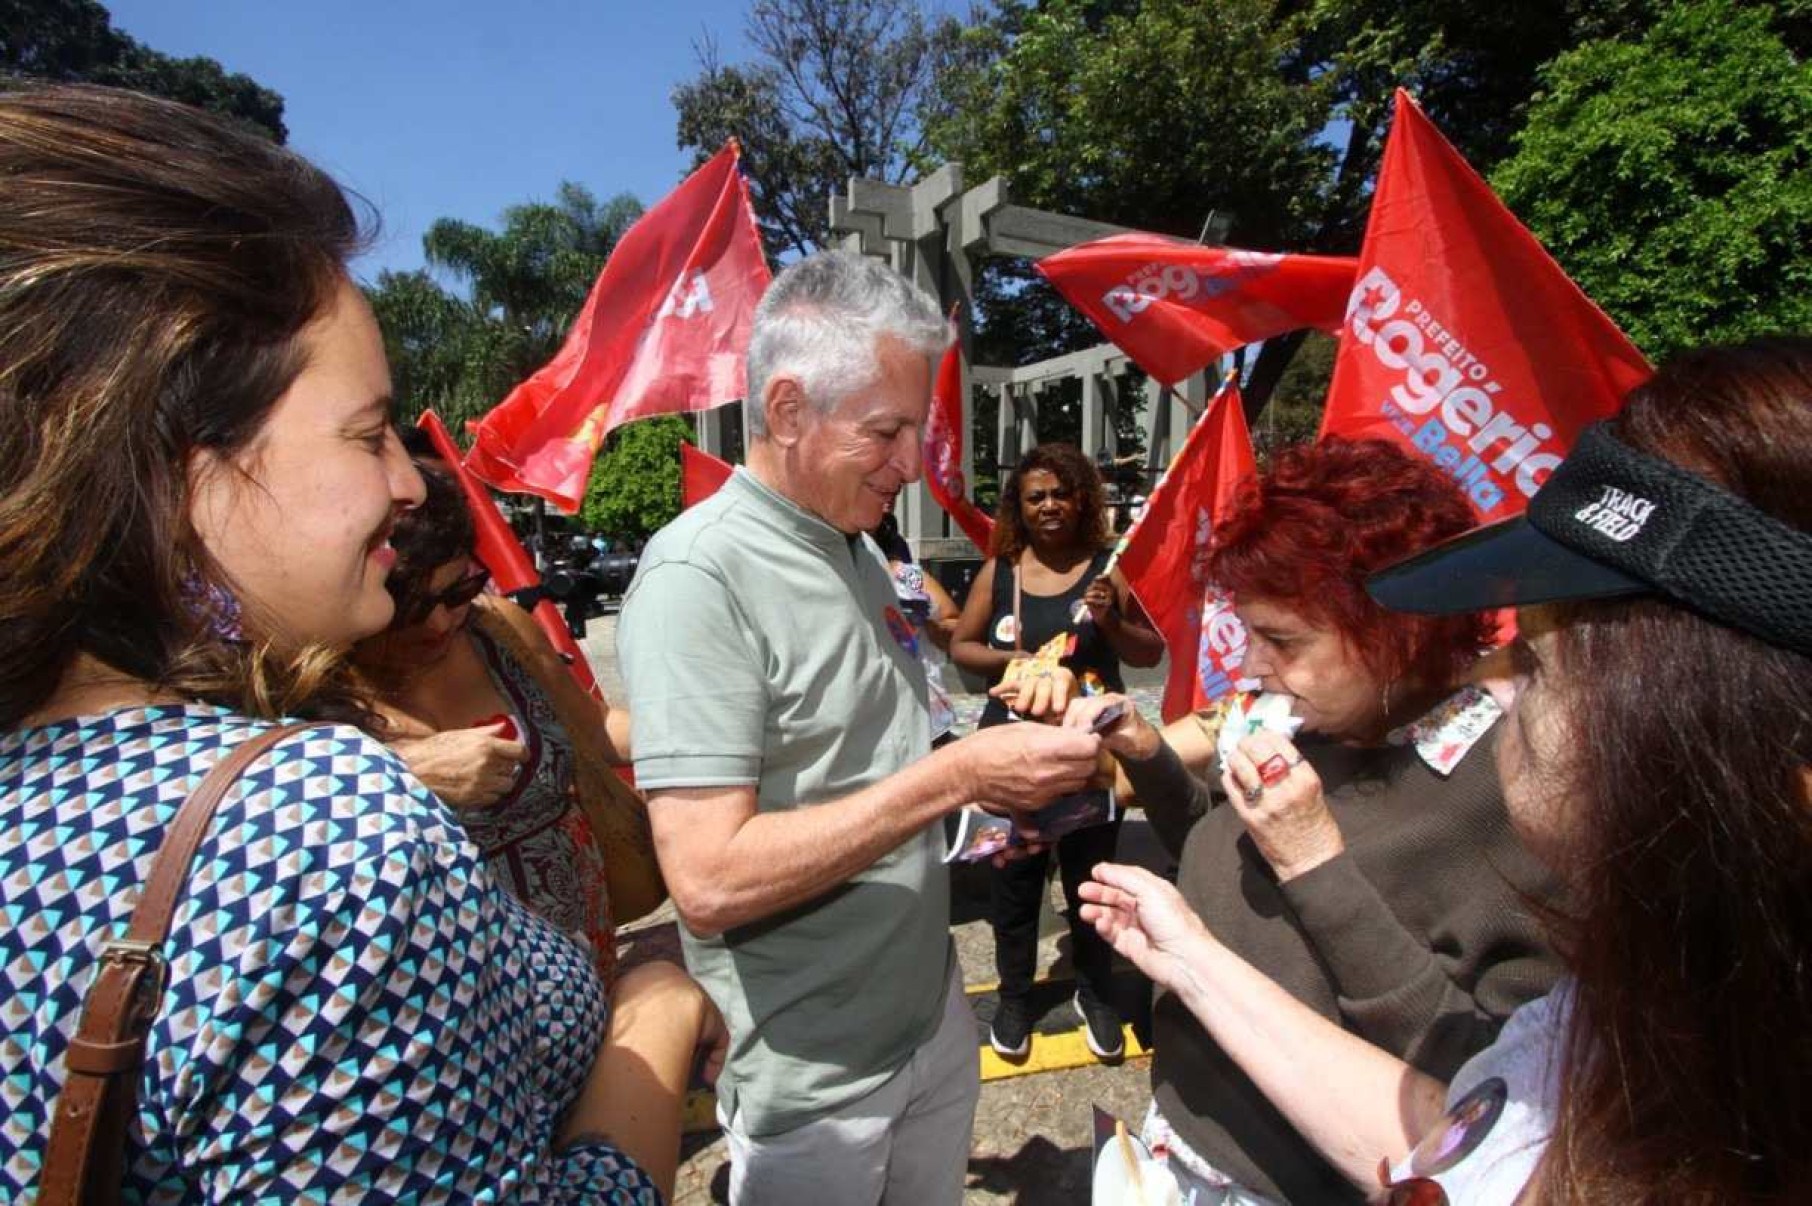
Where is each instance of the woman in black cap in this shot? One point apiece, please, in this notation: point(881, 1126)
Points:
point(1659, 756)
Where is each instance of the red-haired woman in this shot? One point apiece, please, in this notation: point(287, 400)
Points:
point(1369, 867)
point(1047, 578)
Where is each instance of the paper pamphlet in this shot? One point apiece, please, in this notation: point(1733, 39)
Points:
point(979, 834)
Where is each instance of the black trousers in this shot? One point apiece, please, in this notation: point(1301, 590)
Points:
point(1017, 892)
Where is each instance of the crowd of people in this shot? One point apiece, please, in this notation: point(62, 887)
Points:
point(1520, 911)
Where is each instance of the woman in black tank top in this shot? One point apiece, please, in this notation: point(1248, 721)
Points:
point(1045, 579)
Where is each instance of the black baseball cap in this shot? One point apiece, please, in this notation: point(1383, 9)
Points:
point(1612, 521)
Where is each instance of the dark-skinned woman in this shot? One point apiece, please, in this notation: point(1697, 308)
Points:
point(1047, 578)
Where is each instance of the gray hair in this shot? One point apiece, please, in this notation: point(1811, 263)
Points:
point(820, 319)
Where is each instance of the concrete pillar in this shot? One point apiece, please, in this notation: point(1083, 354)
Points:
point(1006, 430)
point(1093, 413)
point(1157, 425)
point(709, 424)
point(1025, 415)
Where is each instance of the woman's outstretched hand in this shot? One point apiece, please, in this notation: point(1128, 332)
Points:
point(1146, 919)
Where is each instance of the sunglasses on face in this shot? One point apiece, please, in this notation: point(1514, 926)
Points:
point(453, 598)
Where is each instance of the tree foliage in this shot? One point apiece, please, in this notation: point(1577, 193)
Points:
point(834, 91)
point(1154, 113)
point(73, 41)
point(1149, 115)
point(635, 486)
point(521, 286)
point(1671, 175)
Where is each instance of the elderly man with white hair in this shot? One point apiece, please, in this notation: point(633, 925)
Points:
point(782, 735)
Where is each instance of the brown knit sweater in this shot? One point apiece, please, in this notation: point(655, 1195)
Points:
point(1417, 938)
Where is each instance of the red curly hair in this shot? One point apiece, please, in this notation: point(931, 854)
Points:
point(1307, 531)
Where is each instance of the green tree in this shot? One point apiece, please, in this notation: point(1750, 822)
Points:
point(1154, 113)
point(519, 289)
point(435, 342)
point(1294, 414)
point(635, 485)
point(834, 91)
point(73, 41)
point(1671, 175)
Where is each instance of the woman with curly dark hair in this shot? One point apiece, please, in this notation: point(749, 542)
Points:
point(1368, 866)
point(1658, 755)
point(1048, 578)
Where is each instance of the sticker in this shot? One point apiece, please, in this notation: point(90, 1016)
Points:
point(1447, 733)
point(1006, 631)
point(1461, 1130)
point(901, 631)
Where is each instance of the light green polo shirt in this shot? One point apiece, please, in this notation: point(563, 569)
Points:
point(757, 649)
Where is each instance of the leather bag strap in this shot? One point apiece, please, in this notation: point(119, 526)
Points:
point(84, 1162)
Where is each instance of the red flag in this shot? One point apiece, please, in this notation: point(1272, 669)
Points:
point(1463, 338)
point(700, 474)
point(944, 451)
point(1164, 556)
point(664, 330)
point(1175, 307)
point(500, 552)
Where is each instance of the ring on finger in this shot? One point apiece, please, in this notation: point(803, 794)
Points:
point(1274, 770)
point(1253, 793)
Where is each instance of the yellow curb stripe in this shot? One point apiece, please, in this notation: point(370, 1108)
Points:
point(1054, 1053)
point(1050, 1053)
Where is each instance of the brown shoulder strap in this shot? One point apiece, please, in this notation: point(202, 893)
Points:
point(84, 1162)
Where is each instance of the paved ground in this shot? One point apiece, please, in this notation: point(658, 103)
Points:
point(1032, 1133)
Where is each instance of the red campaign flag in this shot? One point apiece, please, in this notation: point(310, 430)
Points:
point(1164, 557)
point(1463, 339)
point(944, 451)
point(1176, 307)
point(700, 474)
point(664, 331)
point(502, 554)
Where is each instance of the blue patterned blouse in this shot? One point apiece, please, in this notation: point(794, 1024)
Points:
point(355, 1013)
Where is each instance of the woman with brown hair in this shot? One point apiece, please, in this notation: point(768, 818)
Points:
point(1048, 578)
point(1658, 754)
point(198, 481)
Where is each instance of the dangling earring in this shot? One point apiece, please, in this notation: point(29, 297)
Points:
point(216, 607)
point(1384, 699)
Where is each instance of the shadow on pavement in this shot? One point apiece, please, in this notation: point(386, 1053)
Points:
point(1039, 1174)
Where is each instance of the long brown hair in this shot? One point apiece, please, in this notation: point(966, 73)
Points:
point(1689, 1056)
point(157, 267)
point(1074, 473)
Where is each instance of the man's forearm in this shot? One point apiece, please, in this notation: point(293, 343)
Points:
point(773, 861)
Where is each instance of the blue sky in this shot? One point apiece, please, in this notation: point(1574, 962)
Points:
point(458, 108)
